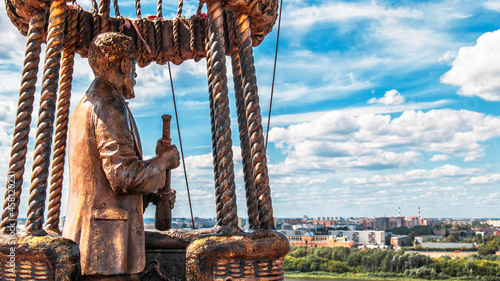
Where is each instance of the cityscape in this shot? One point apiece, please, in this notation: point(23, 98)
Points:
point(375, 233)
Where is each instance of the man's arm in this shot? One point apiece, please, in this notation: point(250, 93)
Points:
point(126, 173)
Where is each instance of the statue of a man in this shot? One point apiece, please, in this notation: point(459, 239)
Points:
point(107, 174)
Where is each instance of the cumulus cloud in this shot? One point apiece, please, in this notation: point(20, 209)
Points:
point(392, 97)
point(415, 176)
point(492, 5)
point(492, 178)
point(336, 140)
point(338, 12)
point(447, 57)
point(476, 69)
point(439, 157)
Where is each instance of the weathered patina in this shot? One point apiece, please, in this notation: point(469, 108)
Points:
point(107, 174)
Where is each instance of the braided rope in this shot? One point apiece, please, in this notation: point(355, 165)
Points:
point(200, 7)
point(159, 9)
point(43, 142)
point(81, 27)
point(104, 12)
point(254, 122)
point(138, 8)
point(217, 68)
point(95, 24)
point(159, 41)
point(141, 50)
point(179, 8)
point(250, 190)
point(23, 120)
point(192, 32)
point(192, 37)
point(214, 139)
point(63, 102)
point(210, 75)
point(177, 43)
point(117, 8)
point(158, 32)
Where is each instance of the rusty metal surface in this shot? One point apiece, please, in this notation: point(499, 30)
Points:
point(164, 199)
point(39, 258)
point(248, 269)
point(23, 120)
point(38, 188)
point(204, 254)
point(262, 15)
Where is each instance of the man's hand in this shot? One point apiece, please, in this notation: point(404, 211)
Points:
point(169, 153)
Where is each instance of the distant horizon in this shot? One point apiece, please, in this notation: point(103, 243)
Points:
point(455, 218)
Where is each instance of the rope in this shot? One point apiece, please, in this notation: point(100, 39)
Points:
point(221, 109)
point(158, 41)
point(104, 13)
point(210, 75)
point(117, 8)
point(192, 38)
point(250, 191)
point(158, 33)
point(177, 44)
point(140, 26)
point(61, 133)
point(138, 8)
point(180, 144)
point(96, 24)
point(23, 121)
point(83, 21)
point(44, 131)
point(254, 123)
point(274, 73)
point(159, 10)
point(192, 43)
point(200, 7)
point(179, 8)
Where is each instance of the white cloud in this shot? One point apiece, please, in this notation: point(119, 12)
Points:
point(338, 141)
point(492, 178)
point(439, 157)
point(476, 69)
point(340, 12)
point(392, 97)
point(416, 176)
point(492, 5)
point(288, 119)
point(447, 57)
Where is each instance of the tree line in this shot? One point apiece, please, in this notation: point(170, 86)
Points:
point(388, 263)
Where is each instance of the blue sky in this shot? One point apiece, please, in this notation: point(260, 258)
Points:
point(377, 105)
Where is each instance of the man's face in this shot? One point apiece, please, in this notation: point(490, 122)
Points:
point(129, 81)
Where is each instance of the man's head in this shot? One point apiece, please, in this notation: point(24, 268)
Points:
point(112, 57)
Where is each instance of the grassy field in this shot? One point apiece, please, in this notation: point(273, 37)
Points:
point(348, 276)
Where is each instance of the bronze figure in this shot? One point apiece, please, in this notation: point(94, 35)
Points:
point(107, 174)
point(110, 183)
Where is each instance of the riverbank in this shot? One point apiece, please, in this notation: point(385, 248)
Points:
point(343, 276)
